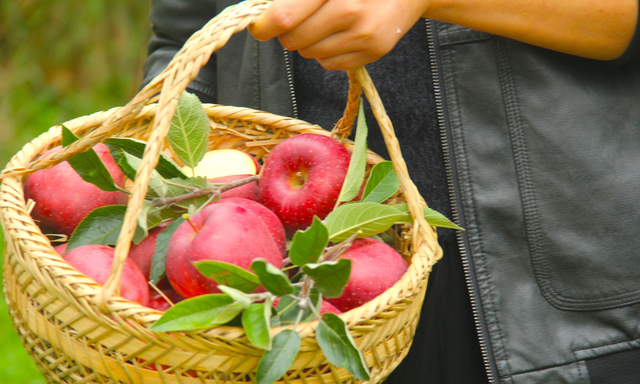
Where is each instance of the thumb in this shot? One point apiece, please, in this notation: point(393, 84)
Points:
point(282, 16)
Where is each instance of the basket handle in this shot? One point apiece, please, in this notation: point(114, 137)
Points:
point(166, 89)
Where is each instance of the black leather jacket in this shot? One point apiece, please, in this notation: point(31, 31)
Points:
point(542, 152)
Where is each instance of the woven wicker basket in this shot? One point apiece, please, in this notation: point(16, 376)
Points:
point(78, 331)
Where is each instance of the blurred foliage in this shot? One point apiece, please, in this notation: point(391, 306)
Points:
point(63, 59)
point(60, 60)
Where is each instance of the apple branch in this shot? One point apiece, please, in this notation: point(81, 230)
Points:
point(339, 248)
point(204, 191)
point(304, 292)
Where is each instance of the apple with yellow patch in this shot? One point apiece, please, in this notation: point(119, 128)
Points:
point(222, 166)
point(224, 162)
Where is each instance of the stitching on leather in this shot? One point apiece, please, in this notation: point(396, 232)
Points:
point(460, 35)
point(465, 40)
point(202, 87)
point(518, 143)
point(614, 345)
point(482, 282)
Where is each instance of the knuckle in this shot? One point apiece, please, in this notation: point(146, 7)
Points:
point(329, 65)
point(283, 19)
point(287, 43)
point(306, 53)
point(375, 45)
point(351, 9)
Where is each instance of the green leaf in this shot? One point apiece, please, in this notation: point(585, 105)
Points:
point(358, 163)
point(288, 308)
point(100, 226)
point(168, 168)
point(143, 228)
point(228, 274)
point(256, 323)
point(189, 131)
point(369, 218)
point(158, 215)
point(307, 246)
point(68, 137)
point(160, 253)
point(201, 312)
point(128, 169)
point(89, 165)
point(157, 185)
point(236, 295)
point(330, 276)
point(339, 347)
point(432, 216)
point(382, 184)
point(276, 362)
point(272, 278)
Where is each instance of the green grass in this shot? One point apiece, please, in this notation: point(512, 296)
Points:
point(60, 60)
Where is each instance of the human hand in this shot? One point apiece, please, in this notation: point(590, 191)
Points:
point(340, 34)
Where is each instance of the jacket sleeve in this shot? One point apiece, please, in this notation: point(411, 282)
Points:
point(172, 23)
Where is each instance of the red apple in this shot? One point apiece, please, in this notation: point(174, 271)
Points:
point(60, 248)
point(95, 261)
point(223, 232)
point(247, 191)
point(63, 199)
point(142, 253)
point(267, 217)
point(157, 301)
point(375, 267)
point(327, 307)
point(302, 178)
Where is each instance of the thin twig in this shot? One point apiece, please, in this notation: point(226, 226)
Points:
point(204, 191)
point(161, 293)
point(339, 248)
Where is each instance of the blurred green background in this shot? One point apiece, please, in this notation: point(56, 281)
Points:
point(60, 60)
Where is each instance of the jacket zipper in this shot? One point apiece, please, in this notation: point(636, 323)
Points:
point(454, 196)
point(292, 91)
point(453, 193)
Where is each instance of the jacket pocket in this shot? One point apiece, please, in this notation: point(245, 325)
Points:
point(577, 154)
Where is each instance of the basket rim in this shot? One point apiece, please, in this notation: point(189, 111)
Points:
point(145, 315)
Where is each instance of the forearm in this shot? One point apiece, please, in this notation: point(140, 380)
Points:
point(597, 29)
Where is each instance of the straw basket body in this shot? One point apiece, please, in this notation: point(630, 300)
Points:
point(78, 331)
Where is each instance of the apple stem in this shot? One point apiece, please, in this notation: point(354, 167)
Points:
point(306, 288)
point(188, 219)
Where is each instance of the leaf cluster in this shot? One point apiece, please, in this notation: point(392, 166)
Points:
point(298, 299)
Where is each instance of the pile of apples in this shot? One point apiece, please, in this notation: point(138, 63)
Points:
point(300, 179)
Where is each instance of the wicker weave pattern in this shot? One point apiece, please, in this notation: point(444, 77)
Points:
point(79, 332)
